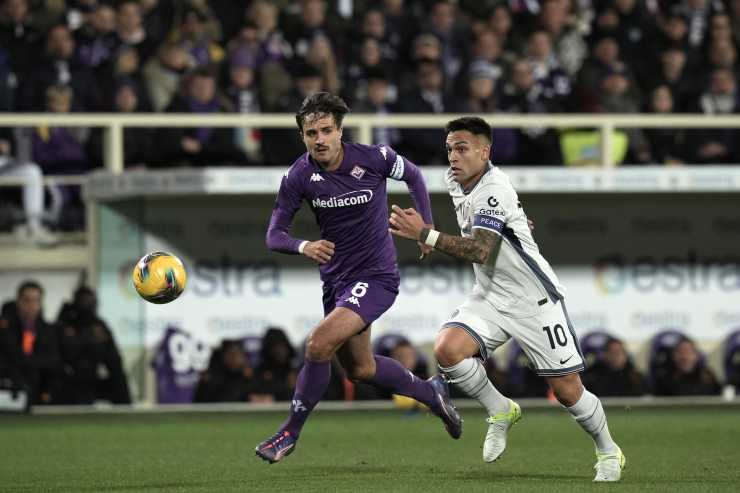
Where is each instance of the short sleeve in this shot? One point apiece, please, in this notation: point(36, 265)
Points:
point(393, 163)
point(492, 207)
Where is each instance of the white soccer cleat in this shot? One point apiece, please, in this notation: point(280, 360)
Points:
point(609, 466)
point(498, 427)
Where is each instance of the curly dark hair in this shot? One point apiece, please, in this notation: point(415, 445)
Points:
point(322, 103)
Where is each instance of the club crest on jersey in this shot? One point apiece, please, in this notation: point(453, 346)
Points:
point(357, 172)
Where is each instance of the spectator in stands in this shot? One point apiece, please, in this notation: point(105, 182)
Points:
point(369, 59)
point(723, 54)
point(482, 97)
point(205, 146)
point(422, 145)
point(198, 34)
point(29, 352)
point(377, 99)
point(536, 145)
point(19, 38)
point(32, 230)
point(390, 42)
point(444, 23)
point(131, 31)
point(281, 146)
point(686, 374)
point(321, 56)
point(243, 94)
point(139, 149)
point(667, 145)
point(674, 73)
point(486, 50)
point(554, 82)
point(276, 374)
point(614, 374)
point(60, 150)
point(594, 78)
point(313, 21)
point(409, 357)
point(500, 22)
point(265, 15)
point(228, 377)
point(717, 145)
point(96, 41)
point(58, 68)
point(568, 46)
point(123, 68)
point(163, 74)
point(91, 362)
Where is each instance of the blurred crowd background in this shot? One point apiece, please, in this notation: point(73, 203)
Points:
point(383, 57)
point(75, 360)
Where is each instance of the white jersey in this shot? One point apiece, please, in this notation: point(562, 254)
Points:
point(520, 281)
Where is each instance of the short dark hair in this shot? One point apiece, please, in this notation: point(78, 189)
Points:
point(322, 103)
point(29, 284)
point(473, 124)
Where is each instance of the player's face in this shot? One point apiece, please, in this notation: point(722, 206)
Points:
point(322, 138)
point(468, 156)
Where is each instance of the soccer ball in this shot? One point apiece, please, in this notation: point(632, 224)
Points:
point(159, 277)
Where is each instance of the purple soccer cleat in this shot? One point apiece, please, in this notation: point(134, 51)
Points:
point(444, 408)
point(275, 448)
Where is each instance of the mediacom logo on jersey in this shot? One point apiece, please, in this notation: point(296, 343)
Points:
point(356, 197)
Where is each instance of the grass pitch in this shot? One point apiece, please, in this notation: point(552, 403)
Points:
point(667, 449)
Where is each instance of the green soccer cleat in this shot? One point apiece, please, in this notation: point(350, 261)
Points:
point(498, 427)
point(609, 466)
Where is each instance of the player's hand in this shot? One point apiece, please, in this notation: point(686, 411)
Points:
point(406, 223)
point(320, 251)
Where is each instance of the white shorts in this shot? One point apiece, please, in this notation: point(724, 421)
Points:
point(547, 338)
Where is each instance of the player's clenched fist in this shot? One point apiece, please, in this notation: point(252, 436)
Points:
point(321, 250)
point(407, 223)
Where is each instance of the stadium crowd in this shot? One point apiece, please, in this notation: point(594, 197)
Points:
point(383, 57)
point(75, 360)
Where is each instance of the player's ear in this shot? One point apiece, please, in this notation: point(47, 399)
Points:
point(340, 130)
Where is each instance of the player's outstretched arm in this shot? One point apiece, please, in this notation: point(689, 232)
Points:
point(481, 248)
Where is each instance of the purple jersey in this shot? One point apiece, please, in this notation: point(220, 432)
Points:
point(351, 208)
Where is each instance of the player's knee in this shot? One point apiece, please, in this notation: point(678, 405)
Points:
point(318, 348)
point(567, 389)
point(447, 354)
point(361, 373)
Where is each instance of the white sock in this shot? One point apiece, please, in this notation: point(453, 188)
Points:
point(589, 413)
point(470, 376)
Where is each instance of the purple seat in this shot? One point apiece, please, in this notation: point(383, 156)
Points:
point(593, 346)
point(732, 358)
point(661, 347)
point(384, 344)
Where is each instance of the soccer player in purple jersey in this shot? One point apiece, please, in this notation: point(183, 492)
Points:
point(345, 185)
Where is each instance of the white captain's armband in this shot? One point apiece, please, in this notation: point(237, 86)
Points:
point(488, 222)
point(398, 168)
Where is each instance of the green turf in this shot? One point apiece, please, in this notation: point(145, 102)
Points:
point(686, 449)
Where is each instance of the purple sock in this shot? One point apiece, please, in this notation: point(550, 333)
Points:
point(391, 375)
point(313, 379)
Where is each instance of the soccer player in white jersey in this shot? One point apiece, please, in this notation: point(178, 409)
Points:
point(516, 294)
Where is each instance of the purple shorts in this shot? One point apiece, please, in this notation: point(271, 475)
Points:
point(368, 296)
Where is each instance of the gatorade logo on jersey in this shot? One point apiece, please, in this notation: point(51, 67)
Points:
point(492, 201)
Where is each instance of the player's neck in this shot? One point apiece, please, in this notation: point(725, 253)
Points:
point(467, 187)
